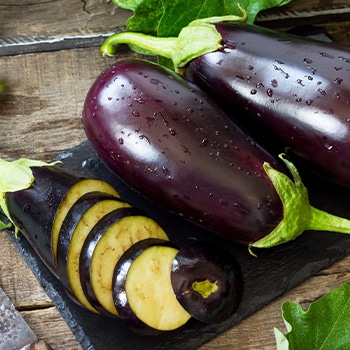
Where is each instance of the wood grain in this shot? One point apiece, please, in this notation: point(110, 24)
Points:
point(40, 118)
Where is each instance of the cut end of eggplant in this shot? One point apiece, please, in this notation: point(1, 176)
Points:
point(207, 282)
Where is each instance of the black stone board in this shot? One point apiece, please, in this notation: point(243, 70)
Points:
point(267, 276)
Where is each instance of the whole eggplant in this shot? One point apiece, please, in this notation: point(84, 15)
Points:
point(166, 139)
point(285, 90)
point(285, 87)
point(172, 143)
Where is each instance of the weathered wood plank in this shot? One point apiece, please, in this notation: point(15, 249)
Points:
point(44, 100)
point(17, 280)
point(48, 326)
point(34, 26)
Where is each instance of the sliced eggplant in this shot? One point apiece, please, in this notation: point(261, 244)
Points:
point(118, 286)
point(149, 290)
point(80, 219)
point(207, 281)
point(95, 216)
point(87, 250)
point(73, 193)
point(108, 246)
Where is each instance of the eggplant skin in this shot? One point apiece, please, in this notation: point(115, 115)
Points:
point(33, 210)
point(284, 89)
point(171, 142)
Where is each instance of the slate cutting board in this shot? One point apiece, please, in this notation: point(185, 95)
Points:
point(266, 276)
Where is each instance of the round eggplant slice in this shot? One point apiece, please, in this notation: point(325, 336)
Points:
point(87, 249)
point(207, 281)
point(118, 286)
point(111, 245)
point(149, 290)
point(76, 191)
point(75, 240)
point(70, 222)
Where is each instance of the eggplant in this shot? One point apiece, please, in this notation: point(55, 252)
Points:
point(78, 190)
point(41, 200)
point(79, 221)
point(104, 246)
point(172, 143)
point(288, 91)
point(166, 139)
point(284, 89)
point(207, 281)
point(98, 232)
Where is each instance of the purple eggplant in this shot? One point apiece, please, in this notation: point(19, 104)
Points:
point(167, 140)
point(207, 281)
point(293, 90)
point(41, 200)
point(285, 90)
point(172, 143)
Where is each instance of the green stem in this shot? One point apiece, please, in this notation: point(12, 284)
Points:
point(165, 46)
point(198, 38)
point(299, 215)
point(323, 221)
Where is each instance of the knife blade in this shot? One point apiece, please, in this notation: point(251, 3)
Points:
point(15, 334)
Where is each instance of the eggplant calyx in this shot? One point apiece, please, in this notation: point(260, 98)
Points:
point(16, 176)
point(197, 38)
point(299, 214)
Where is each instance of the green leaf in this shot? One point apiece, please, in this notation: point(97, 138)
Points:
point(167, 17)
point(323, 326)
point(146, 17)
point(16, 176)
point(171, 19)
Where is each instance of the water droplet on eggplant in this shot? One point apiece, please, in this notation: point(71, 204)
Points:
point(172, 132)
point(146, 138)
point(274, 83)
point(309, 102)
point(308, 60)
point(204, 142)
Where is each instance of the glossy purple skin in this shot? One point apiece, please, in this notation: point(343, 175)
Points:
point(121, 302)
point(284, 88)
point(203, 261)
point(174, 145)
point(33, 210)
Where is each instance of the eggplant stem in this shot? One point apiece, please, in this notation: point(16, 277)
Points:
point(299, 214)
point(197, 38)
point(323, 221)
point(165, 46)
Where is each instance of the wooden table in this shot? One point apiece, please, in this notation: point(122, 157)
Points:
point(49, 57)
